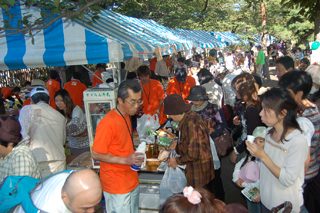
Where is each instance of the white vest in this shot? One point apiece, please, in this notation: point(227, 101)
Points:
point(47, 133)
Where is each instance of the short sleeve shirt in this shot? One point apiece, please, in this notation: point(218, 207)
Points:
point(75, 89)
point(112, 136)
point(53, 87)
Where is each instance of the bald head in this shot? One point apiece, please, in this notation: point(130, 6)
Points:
point(82, 191)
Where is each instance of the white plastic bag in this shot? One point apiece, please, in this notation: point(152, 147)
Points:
point(216, 160)
point(173, 182)
point(147, 121)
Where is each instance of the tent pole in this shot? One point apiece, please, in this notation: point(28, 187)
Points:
point(91, 72)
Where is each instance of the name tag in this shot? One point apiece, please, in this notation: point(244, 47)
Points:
point(74, 83)
point(50, 82)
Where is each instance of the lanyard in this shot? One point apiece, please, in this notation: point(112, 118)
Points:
point(148, 97)
point(130, 133)
point(182, 88)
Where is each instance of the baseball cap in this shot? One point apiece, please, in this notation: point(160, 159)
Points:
point(260, 131)
point(37, 90)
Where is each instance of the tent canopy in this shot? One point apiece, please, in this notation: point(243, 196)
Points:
point(113, 38)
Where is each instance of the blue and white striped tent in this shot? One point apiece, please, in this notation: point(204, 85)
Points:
point(201, 38)
point(113, 38)
point(228, 37)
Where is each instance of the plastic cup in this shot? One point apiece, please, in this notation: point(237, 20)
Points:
point(250, 138)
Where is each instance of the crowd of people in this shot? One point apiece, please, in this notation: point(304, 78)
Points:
point(212, 99)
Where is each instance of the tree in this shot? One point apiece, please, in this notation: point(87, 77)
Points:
point(310, 9)
point(52, 11)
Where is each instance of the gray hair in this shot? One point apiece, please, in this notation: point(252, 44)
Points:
point(40, 97)
point(128, 84)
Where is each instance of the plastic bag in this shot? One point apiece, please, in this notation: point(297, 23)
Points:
point(147, 121)
point(173, 182)
point(216, 160)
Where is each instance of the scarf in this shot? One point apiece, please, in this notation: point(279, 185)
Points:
point(200, 108)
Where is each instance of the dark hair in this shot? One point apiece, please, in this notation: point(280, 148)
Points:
point(258, 79)
point(5, 144)
point(204, 76)
point(16, 89)
point(305, 60)
point(131, 75)
point(286, 61)
point(54, 74)
point(40, 97)
point(128, 84)
point(100, 65)
point(76, 75)
point(67, 100)
point(179, 204)
point(27, 83)
point(247, 89)
point(297, 81)
point(144, 70)
point(123, 65)
point(299, 49)
point(182, 59)
point(279, 99)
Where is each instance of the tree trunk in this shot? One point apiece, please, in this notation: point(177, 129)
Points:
point(317, 23)
point(264, 40)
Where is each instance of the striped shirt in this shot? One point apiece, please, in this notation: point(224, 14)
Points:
point(312, 113)
point(19, 162)
point(194, 150)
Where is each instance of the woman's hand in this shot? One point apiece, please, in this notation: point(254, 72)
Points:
point(239, 183)
point(172, 163)
point(257, 200)
point(255, 150)
point(236, 121)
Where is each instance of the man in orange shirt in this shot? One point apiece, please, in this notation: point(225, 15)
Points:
point(113, 147)
point(181, 84)
point(34, 83)
point(153, 62)
point(75, 89)
point(7, 93)
point(53, 86)
point(152, 94)
point(99, 69)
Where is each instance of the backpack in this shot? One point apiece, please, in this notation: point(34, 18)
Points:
point(16, 190)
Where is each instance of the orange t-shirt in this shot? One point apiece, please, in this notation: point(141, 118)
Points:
point(27, 102)
point(153, 64)
point(152, 94)
point(75, 89)
point(96, 80)
point(6, 92)
point(53, 87)
point(174, 87)
point(112, 136)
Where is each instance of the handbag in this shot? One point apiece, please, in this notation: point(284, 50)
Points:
point(224, 144)
point(250, 172)
point(286, 205)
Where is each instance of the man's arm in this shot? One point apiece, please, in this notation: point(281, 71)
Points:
point(132, 159)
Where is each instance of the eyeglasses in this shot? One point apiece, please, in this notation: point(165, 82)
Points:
point(133, 103)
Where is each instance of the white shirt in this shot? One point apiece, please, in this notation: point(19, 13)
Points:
point(161, 68)
point(230, 63)
point(47, 196)
point(290, 157)
point(214, 92)
point(228, 94)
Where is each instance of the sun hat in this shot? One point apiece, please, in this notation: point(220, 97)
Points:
point(37, 90)
point(197, 93)
point(221, 70)
point(181, 74)
point(314, 71)
point(260, 131)
point(38, 82)
point(195, 64)
point(10, 129)
point(204, 76)
point(175, 105)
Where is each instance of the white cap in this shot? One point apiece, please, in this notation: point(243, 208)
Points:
point(37, 90)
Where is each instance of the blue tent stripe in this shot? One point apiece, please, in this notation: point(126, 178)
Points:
point(16, 43)
point(97, 48)
point(54, 45)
